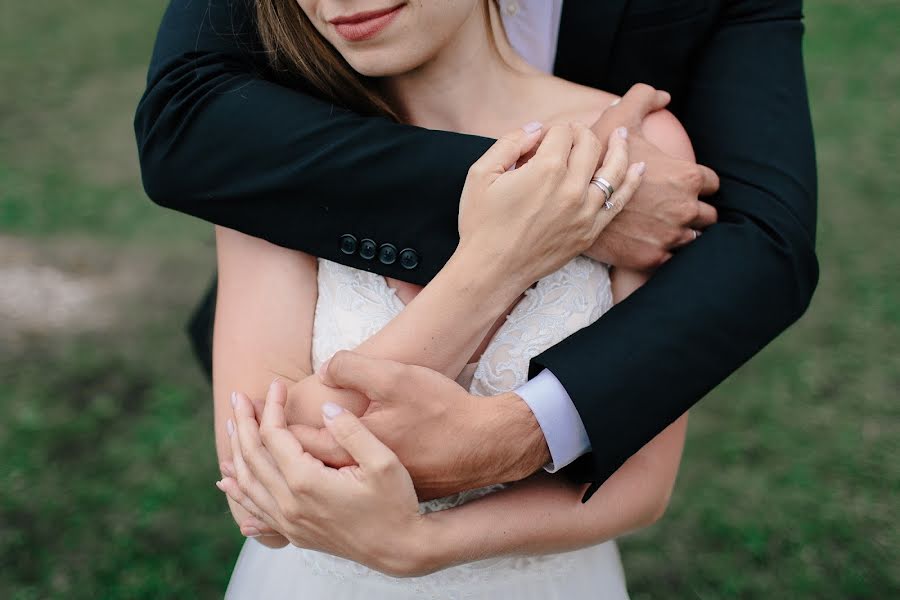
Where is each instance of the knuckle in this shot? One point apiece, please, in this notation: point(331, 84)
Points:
point(266, 433)
point(592, 139)
point(292, 512)
point(553, 165)
point(476, 171)
point(689, 211)
point(340, 357)
point(571, 193)
point(693, 178)
point(298, 486)
point(383, 465)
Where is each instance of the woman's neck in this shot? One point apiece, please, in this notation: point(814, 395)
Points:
point(468, 84)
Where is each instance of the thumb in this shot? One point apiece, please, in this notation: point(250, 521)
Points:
point(375, 378)
point(348, 431)
point(644, 99)
point(507, 151)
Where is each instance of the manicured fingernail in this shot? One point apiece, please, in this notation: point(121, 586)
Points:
point(532, 127)
point(274, 381)
point(641, 168)
point(229, 425)
point(623, 133)
point(331, 410)
point(615, 102)
point(233, 399)
point(220, 486)
point(251, 531)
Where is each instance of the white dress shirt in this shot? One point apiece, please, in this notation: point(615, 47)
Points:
point(532, 27)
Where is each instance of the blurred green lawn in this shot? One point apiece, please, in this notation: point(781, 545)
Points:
point(791, 476)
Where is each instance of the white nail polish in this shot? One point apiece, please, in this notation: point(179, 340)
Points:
point(532, 127)
point(331, 410)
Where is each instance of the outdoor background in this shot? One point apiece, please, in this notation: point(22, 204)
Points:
point(790, 482)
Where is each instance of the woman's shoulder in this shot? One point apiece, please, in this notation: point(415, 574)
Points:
point(568, 102)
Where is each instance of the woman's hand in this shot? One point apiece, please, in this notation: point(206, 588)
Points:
point(531, 220)
point(367, 513)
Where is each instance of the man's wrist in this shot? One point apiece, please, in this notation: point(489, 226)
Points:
point(516, 441)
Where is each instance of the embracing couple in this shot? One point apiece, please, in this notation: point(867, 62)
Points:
point(484, 335)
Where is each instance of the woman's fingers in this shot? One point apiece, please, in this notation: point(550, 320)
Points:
point(246, 481)
point(615, 163)
point(553, 153)
point(273, 408)
point(254, 454)
point(366, 449)
point(298, 471)
point(229, 486)
point(583, 159)
point(506, 151)
point(622, 195)
point(319, 442)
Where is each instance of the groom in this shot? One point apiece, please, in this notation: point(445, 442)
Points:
point(220, 138)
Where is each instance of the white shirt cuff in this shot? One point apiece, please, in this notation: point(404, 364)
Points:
point(559, 420)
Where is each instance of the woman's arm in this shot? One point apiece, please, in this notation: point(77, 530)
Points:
point(263, 326)
point(545, 514)
point(267, 294)
point(504, 247)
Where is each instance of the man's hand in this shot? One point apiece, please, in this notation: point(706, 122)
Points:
point(666, 210)
point(448, 439)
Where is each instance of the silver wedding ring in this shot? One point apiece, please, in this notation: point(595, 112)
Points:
point(607, 189)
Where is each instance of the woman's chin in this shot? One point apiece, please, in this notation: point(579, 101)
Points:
point(381, 64)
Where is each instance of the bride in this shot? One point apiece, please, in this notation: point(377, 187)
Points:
point(530, 206)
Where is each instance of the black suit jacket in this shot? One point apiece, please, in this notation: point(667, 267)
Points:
point(220, 141)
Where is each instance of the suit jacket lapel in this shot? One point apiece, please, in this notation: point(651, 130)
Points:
point(587, 31)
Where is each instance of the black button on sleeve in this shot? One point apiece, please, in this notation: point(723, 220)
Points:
point(348, 244)
point(387, 254)
point(367, 249)
point(409, 258)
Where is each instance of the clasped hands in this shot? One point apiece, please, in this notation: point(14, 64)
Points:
point(447, 439)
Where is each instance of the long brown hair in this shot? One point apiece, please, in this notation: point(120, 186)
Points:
point(299, 53)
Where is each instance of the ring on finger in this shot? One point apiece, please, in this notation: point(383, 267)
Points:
point(604, 186)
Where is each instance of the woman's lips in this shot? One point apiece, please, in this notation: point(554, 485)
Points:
point(363, 26)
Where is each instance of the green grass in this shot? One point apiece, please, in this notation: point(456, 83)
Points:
point(791, 474)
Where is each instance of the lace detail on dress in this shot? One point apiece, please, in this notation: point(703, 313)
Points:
point(353, 305)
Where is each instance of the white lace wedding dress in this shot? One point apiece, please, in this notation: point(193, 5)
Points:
point(352, 306)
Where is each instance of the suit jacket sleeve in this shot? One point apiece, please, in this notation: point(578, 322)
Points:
point(731, 292)
point(218, 141)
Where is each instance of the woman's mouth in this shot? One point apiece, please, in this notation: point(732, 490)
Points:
point(364, 25)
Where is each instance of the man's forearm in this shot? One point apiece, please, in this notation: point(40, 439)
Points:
point(727, 295)
point(284, 176)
